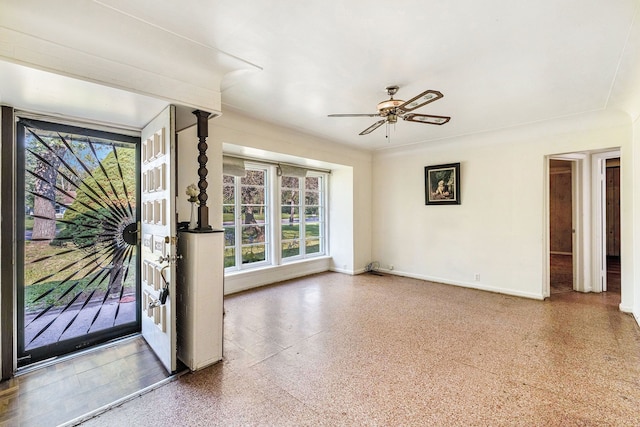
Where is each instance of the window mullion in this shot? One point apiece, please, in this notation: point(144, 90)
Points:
point(276, 220)
point(238, 222)
point(301, 215)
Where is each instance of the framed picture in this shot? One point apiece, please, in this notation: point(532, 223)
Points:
point(442, 184)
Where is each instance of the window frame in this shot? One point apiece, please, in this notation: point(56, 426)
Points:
point(273, 208)
point(239, 224)
point(302, 207)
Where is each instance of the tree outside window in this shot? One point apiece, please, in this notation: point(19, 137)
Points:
point(298, 227)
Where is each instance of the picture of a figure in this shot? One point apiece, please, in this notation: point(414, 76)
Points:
point(442, 184)
point(441, 192)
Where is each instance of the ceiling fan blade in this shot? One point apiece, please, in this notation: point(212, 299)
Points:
point(354, 115)
point(425, 118)
point(373, 127)
point(423, 99)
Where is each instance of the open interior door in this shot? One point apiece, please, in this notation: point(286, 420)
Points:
point(158, 233)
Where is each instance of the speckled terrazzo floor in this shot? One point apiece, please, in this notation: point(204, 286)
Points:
point(333, 349)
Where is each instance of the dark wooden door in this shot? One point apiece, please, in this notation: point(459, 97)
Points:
point(613, 208)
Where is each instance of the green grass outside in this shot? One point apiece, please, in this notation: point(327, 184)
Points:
point(257, 254)
point(56, 298)
point(55, 266)
point(36, 271)
point(290, 232)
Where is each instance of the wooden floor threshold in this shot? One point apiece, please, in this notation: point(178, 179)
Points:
point(70, 389)
point(119, 402)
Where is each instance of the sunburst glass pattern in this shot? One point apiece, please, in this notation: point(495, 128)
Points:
point(80, 235)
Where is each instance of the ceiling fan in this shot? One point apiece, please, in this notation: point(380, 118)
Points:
point(392, 109)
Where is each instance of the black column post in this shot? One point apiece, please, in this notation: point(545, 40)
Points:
point(203, 132)
point(7, 218)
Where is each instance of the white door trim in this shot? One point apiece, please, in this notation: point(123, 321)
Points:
point(599, 246)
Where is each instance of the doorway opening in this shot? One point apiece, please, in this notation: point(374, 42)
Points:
point(561, 227)
point(76, 249)
point(612, 224)
point(584, 226)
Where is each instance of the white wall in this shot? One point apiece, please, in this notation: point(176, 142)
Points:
point(632, 230)
point(499, 230)
point(341, 232)
point(349, 189)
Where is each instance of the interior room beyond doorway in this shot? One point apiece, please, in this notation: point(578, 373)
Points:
point(566, 193)
point(561, 229)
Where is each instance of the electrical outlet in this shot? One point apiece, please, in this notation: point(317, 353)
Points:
point(476, 277)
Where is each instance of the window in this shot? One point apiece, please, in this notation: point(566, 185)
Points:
point(302, 216)
point(270, 220)
point(246, 218)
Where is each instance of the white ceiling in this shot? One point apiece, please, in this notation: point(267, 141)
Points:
point(499, 63)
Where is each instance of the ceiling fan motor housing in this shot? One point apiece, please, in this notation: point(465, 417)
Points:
point(388, 107)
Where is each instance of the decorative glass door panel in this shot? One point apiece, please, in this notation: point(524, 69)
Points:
point(77, 197)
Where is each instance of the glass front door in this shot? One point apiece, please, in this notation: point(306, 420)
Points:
point(77, 273)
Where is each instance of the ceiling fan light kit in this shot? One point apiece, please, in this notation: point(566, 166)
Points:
point(392, 109)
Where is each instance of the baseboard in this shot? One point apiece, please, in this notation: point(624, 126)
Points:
point(635, 314)
point(342, 270)
point(626, 309)
point(471, 285)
